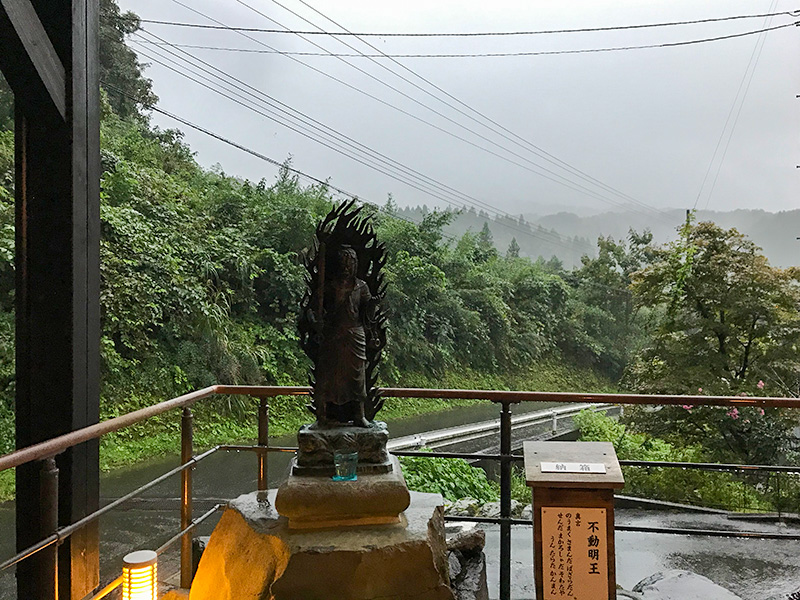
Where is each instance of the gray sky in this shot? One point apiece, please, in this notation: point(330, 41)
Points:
point(645, 122)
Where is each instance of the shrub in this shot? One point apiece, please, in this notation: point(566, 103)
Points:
point(704, 488)
point(453, 478)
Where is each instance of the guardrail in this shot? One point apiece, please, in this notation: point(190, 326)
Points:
point(45, 452)
point(466, 433)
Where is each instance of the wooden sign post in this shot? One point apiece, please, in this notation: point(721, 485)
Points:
point(573, 487)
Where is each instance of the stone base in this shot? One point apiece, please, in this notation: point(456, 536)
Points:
point(316, 446)
point(319, 502)
point(253, 555)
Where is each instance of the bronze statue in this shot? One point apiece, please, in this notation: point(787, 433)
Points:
point(342, 327)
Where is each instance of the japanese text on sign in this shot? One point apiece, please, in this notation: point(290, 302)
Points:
point(565, 467)
point(575, 548)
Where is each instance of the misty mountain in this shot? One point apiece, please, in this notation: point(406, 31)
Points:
point(568, 236)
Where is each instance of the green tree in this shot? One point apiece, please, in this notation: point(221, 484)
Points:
point(513, 249)
point(730, 318)
point(611, 324)
point(484, 244)
point(730, 325)
point(120, 71)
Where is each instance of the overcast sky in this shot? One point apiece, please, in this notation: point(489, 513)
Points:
point(644, 122)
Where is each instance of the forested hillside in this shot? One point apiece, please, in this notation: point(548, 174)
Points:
point(202, 275)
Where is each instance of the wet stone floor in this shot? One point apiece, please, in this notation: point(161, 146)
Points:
point(754, 569)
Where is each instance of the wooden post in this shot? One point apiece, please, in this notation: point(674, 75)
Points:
point(573, 518)
point(49, 58)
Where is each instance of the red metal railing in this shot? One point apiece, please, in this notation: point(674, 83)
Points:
point(45, 451)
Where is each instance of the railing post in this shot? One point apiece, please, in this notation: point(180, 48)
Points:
point(505, 501)
point(186, 497)
point(47, 559)
point(263, 441)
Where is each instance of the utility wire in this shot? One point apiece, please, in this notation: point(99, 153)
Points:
point(246, 102)
point(564, 181)
point(320, 127)
point(284, 165)
point(762, 39)
point(537, 168)
point(754, 55)
point(314, 124)
point(537, 150)
point(473, 34)
point(494, 126)
point(281, 165)
point(369, 161)
point(495, 54)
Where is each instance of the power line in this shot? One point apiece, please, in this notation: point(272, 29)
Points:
point(369, 161)
point(319, 126)
point(472, 34)
point(754, 56)
point(498, 54)
point(283, 165)
point(537, 150)
point(537, 170)
point(562, 180)
point(300, 129)
point(495, 127)
point(757, 50)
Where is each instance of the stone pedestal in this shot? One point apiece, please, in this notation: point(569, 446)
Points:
point(316, 446)
point(319, 502)
point(253, 555)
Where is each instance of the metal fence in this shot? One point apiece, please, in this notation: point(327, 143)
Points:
point(44, 453)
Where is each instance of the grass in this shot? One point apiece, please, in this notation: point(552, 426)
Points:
point(234, 419)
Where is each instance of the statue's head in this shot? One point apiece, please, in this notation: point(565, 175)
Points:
point(348, 261)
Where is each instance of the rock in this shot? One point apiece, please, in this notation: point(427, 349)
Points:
point(468, 543)
point(490, 510)
point(471, 581)
point(527, 513)
point(454, 564)
point(467, 507)
point(681, 585)
point(317, 445)
point(311, 502)
point(253, 555)
point(198, 546)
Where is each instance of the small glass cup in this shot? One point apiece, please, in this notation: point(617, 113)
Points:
point(345, 464)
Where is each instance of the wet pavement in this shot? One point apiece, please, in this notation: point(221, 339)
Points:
point(754, 569)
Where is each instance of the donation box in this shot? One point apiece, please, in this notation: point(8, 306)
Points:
point(573, 487)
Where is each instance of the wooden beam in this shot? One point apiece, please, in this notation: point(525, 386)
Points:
point(39, 49)
point(58, 279)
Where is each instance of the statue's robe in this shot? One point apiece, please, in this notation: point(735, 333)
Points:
point(341, 367)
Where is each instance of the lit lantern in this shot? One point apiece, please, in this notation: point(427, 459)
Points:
point(140, 576)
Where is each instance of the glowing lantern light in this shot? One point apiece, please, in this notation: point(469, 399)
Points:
point(140, 576)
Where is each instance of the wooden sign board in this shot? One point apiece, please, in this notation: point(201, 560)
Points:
point(574, 553)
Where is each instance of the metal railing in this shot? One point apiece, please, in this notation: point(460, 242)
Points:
point(45, 452)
